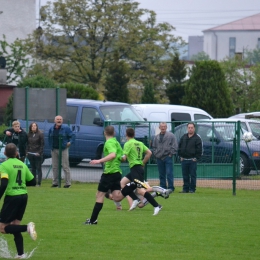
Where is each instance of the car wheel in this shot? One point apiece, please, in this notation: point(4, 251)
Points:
point(244, 164)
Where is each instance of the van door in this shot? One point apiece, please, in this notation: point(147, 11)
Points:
point(88, 135)
point(72, 112)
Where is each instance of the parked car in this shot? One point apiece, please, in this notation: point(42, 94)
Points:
point(2, 155)
point(86, 119)
point(250, 115)
point(250, 125)
point(218, 145)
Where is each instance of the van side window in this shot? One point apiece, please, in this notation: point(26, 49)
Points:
point(88, 115)
point(199, 116)
point(180, 117)
point(72, 114)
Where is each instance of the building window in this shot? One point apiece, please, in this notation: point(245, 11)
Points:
point(232, 47)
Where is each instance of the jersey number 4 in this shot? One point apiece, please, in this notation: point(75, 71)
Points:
point(19, 177)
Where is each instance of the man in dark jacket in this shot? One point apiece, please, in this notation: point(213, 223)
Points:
point(190, 150)
point(17, 136)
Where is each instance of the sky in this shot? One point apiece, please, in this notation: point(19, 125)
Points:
point(191, 17)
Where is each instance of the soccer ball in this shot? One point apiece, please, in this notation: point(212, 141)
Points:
point(248, 136)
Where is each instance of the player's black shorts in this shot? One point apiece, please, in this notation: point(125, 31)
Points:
point(13, 208)
point(110, 182)
point(136, 172)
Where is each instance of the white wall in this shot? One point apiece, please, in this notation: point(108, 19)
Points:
point(18, 18)
point(245, 40)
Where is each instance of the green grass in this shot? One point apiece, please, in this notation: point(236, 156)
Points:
point(210, 224)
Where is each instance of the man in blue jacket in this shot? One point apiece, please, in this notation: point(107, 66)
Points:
point(67, 138)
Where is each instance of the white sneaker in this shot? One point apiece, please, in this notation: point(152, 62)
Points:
point(157, 209)
point(23, 256)
point(31, 230)
point(134, 204)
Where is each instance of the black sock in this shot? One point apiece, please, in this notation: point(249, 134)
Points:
point(11, 229)
point(151, 199)
point(97, 208)
point(128, 189)
point(133, 196)
point(18, 240)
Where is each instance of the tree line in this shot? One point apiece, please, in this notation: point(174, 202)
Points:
point(114, 50)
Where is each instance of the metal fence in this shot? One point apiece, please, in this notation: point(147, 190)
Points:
point(227, 162)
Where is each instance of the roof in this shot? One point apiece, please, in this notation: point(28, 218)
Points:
point(75, 101)
point(250, 23)
point(167, 106)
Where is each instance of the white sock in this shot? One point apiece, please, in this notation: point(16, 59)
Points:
point(158, 189)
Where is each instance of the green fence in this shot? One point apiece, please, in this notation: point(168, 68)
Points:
point(227, 161)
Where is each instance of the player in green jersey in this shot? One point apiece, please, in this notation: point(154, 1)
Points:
point(133, 152)
point(111, 177)
point(15, 176)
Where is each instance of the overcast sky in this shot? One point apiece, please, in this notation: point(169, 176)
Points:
point(191, 17)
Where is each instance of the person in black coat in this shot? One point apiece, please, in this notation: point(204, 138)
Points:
point(17, 136)
point(190, 151)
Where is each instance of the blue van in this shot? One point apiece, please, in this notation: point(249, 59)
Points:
point(87, 119)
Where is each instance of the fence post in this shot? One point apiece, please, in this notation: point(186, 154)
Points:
point(234, 164)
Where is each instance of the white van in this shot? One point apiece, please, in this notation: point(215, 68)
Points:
point(169, 113)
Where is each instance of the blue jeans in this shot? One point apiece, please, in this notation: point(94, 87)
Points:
point(189, 175)
point(165, 168)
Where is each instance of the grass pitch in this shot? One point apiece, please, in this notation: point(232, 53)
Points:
point(210, 224)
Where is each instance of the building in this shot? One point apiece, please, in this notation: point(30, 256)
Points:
point(17, 19)
point(195, 45)
point(228, 40)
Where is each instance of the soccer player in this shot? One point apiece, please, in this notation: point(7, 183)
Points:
point(111, 177)
point(133, 152)
point(15, 175)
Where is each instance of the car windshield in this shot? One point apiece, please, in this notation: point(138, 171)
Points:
point(255, 127)
point(120, 113)
point(227, 132)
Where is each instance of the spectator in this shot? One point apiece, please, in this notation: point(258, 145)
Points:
point(17, 136)
point(190, 151)
point(164, 148)
point(15, 176)
point(67, 139)
point(34, 151)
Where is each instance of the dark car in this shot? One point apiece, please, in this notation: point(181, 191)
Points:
point(218, 145)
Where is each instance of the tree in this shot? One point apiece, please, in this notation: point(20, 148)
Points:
point(207, 89)
point(148, 96)
point(239, 79)
point(176, 77)
point(255, 89)
point(16, 60)
point(78, 39)
point(76, 90)
point(253, 56)
point(116, 81)
point(38, 81)
point(200, 56)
